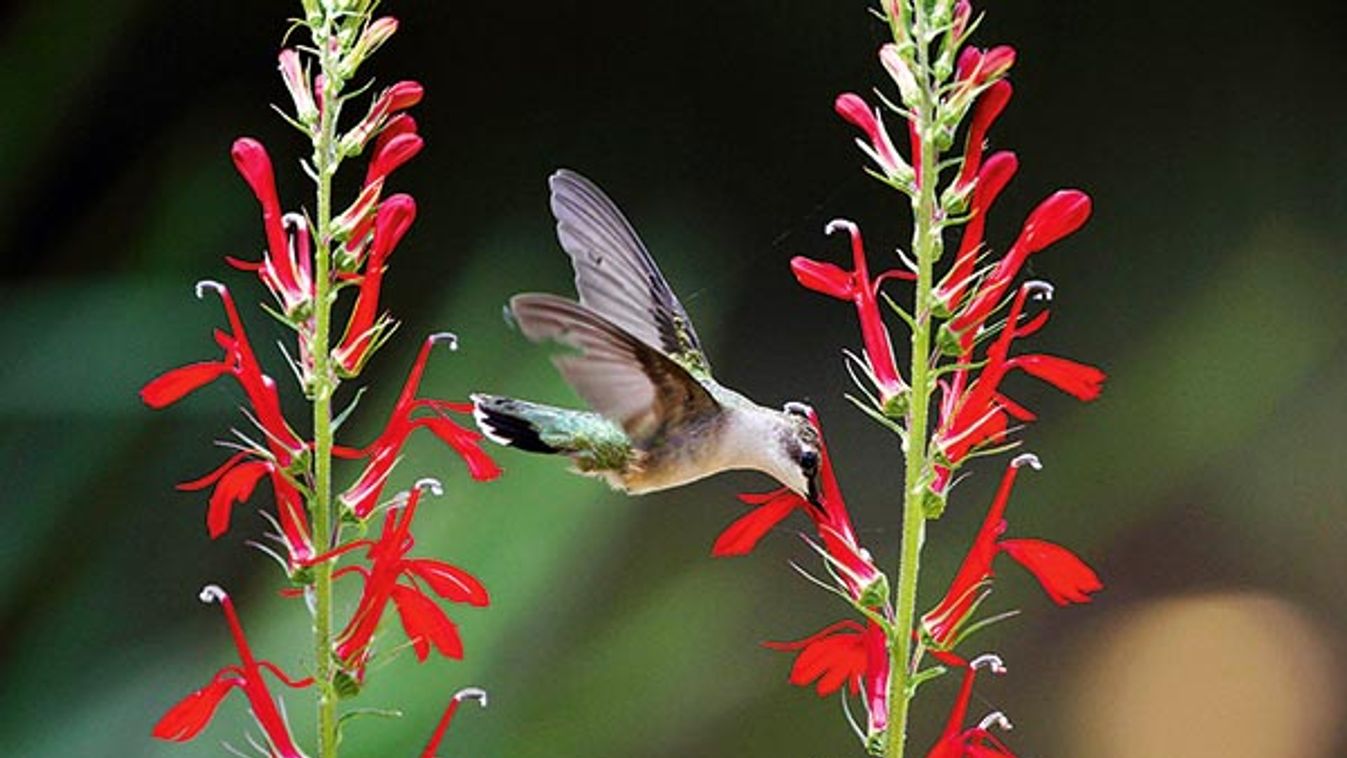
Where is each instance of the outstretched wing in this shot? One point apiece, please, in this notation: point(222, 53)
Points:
point(620, 376)
point(614, 273)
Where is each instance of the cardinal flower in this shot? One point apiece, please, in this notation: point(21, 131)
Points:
point(877, 143)
point(234, 481)
point(185, 720)
point(366, 330)
point(857, 286)
point(846, 654)
point(1064, 577)
point(831, 520)
point(978, 412)
point(286, 266)
point(977, 742)
point(362, 496)
point(393, 576)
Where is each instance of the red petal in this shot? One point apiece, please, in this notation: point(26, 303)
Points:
point(740, 537)
point(404, 95)
point(1061, 214)
point(834, 661)
point(449, 582)
point(823, 277)
point(466, 443)
point(170, 387)
point(1078, 379)
point(426, 624)
point(235, 486)
point(392, 153)
point(1064, 576)
point(186, 719)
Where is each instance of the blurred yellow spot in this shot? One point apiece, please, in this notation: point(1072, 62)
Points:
point(1228, 675)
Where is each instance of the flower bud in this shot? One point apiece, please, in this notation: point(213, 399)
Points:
point(374, 36)
point(297, 84)
point(901, 73)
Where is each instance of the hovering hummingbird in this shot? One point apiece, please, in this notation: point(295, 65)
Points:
point(659, 419)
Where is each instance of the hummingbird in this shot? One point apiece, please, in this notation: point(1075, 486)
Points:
point(657, 418)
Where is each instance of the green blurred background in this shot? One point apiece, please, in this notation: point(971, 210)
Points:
point(1207, 486)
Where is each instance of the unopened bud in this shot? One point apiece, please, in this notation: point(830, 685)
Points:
point(374, 36)
point(902, 74)
point(297, 84)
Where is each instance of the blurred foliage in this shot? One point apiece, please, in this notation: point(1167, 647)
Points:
point(1210, 284)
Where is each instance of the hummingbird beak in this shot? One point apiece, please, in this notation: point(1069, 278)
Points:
point(812, 494)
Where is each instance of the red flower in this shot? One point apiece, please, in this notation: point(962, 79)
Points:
point(365, 331)
point(1063, 576)
point(286, 267)
point(976, 413)
point(857, 286)
point(468, 693)
point(392, 100)
point(362, 496)
point(848, 654)
point(879, 147)
point(185, 720)
point(992, 177)
point(831, 520)
point(234, 481)
point(393, 576)
point(977, 742)
point(989, 106)
point(1062, 213)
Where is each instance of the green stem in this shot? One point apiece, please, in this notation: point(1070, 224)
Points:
point(325, 161)
point(925, 247)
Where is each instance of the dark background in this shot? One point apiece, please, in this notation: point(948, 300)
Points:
point(1207, 485)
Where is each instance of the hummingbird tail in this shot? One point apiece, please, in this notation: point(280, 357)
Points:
point(507, 421)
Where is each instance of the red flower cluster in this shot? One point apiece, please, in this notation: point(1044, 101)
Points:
point(393, 576)
point(846, 653)
point(304, 265)
point(235, 480)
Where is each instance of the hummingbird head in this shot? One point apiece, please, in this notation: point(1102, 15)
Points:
point(801, 448)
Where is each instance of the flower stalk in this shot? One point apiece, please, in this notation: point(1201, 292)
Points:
point(325, 161)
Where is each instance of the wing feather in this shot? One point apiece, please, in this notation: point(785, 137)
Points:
point(618, 375)
point(615, 276)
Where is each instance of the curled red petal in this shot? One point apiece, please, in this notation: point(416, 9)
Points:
point(391, 154)
point(426, 624)
point(826, 278)
point(1062, 213)
point(740, 537)
point(185, 720)
point(253, 163)
point(466, 443)
point(404, 95)
point(1077, 379)
point(234, 486)
point(171, 386)
point(449, 582)
point(1063, 575)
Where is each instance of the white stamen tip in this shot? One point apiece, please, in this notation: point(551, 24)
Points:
point(448, 338)
point(1026, 459)
point(995, 717)
point(991, 661)
point(471, 693)
point(430, 485)
point(840, 224)
point(212, 593)
point(1038, 289)
point(208, 284)
point(796, 408)
point(294, 220)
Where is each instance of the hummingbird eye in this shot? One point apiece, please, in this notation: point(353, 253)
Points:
point(809, 463)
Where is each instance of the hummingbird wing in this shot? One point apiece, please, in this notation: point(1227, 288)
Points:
point(620, 376)
point(614, 273)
